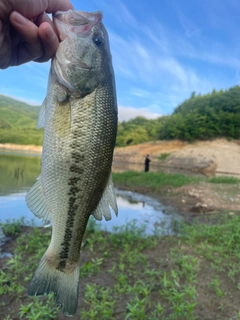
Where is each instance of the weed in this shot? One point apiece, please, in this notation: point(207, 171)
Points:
point(8, 317)
point(12, 227)
point(137, 309)
point(215, 284)
point(99, 303)
point(153, 181)
point(38, 309)
point(224, 179)
point(91, 267)
point(163, 156)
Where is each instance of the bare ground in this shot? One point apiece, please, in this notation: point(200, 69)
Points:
point(218, 156)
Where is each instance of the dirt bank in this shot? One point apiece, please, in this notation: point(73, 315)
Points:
point(18, 147)
point(218, 156)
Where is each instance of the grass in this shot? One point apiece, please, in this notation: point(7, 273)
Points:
point(224, 179)
point(163, 156)
point(154, 181)
point(12, 227)
point(127, 275)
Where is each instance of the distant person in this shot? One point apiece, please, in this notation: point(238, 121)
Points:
point(146, 163)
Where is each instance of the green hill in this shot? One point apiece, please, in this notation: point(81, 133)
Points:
point(202, 117)
point(18, 122)
point(213, 115)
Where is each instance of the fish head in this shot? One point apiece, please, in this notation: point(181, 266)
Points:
point(83, 55)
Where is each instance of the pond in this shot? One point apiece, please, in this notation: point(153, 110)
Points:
point(18, 173)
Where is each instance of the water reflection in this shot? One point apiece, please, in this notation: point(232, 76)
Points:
point(141, 209)
point(18, 173)
point(132, 207)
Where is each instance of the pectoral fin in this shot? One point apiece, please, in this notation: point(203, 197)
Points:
point(108, 199)
point(41, 115)
point(36, 202)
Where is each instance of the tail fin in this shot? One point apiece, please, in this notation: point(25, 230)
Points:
point(63, 285)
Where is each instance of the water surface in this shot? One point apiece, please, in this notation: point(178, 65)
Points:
point(19, 172)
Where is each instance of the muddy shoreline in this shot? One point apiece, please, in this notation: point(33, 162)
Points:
point(212, 157)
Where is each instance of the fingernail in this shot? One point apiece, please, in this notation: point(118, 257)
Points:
point(18, 18)
point(45, 17)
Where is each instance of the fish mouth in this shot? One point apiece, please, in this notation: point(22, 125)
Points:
point(78, 22)
point(78, 18)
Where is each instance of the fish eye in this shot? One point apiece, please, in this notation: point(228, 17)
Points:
point(98, 40)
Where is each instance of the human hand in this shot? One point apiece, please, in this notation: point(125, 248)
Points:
point(26, 31)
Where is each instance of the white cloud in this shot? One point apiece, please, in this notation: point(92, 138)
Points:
point(125, 16)
point(127, 113)
point(139, 92)
point(150, 65)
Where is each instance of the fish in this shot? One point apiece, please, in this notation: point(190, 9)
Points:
point(79, 116)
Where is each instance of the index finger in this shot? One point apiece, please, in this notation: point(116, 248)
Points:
point(62, 5)
point(32, 8)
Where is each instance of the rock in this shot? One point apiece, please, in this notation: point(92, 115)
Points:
point(183, 201)
point(193, 194)
point(192, 163)
point(200, 207)
point(231, 213)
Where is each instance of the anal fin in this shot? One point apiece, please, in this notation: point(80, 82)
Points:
point(36, 202)
point(108, 199)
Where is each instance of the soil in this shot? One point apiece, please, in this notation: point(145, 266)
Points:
point(18, 147)
point(218, 156)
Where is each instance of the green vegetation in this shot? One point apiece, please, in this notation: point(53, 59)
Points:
point(18, 122)
point(13, 228)
point(214, 115)
point(203, 117)
point(163, 156)
point(192, 276)
point(224, 179)
point(153, 181)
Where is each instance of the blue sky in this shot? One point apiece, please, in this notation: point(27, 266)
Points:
point(162, 51)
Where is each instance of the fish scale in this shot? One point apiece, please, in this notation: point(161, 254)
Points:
point(79, 116)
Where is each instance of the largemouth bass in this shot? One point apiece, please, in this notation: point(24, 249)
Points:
point(79, 116)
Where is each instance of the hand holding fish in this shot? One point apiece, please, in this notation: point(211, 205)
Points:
point(26, 31)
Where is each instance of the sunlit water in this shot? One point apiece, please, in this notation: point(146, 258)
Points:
point(18, 173)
